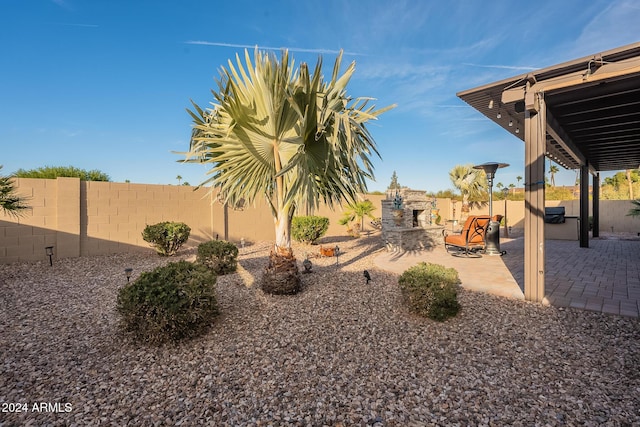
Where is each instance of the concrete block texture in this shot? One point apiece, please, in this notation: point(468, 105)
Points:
point(90, 218)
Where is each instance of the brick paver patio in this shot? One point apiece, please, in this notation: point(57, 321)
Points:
point(604, 277)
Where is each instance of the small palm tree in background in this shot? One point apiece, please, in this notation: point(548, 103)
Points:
point(179, 178)
point(10, 203)
point(553, 170)
point(358, 211)
point(472, 183)
point(289, 136)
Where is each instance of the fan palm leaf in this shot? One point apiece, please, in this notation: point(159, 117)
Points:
point(284, 134)
point(635, 210)
point(472, 183)
point(10, 203)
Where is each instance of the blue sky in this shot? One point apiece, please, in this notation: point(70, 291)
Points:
point(103, 84)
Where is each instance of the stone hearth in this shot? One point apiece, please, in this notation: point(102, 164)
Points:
point(417, 228)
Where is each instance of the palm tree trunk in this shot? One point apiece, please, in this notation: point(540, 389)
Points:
point(283, 233)
point(628, 172)
point(465, 205)
point(281, 276)
point(283, 217)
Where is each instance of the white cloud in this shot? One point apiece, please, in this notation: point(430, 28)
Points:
point(615, 26)
point(503, 67)
point(247, 46)
point(78, 25)
point(62, 3)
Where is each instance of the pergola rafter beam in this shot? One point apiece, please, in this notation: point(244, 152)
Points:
point(559, 135)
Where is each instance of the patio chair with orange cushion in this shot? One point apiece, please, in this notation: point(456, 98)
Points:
point(471, 240)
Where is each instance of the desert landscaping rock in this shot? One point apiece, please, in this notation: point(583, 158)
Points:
point(340, 353)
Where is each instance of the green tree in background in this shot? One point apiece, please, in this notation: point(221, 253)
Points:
point(444, 194)
point(621, 186)
point(53, 172)
point(10, 203)
point(394, 185)
point(290, 136)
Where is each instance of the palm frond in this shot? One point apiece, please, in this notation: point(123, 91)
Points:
point(10, 203)
point(635, 210)
point(286, 134)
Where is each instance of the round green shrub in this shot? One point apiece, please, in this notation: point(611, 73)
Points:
point(218, 255)
point(166, 237)
point(431, 290)
point(308, 229)
point(169, 303)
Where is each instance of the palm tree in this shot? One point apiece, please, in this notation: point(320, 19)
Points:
point(635, 210)
point(10, 203)
point(179, 178)
point(358, 211)
point(289, 136)
point(553, 170)
point(472, 183)
point(518, 178)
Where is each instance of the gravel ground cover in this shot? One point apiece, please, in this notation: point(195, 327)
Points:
point(341, 353)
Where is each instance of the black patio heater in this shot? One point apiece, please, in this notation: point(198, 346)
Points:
point(492, 237)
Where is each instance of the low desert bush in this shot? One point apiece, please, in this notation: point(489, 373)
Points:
point(431, 290)
point(308, 229)
point(166, 237)
point(169, 303)
point(218, 255)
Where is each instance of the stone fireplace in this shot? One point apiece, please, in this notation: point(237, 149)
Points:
point(415, 226)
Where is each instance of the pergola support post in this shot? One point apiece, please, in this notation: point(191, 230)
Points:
point(596, 205)
point(584, 206)
point(534, 253)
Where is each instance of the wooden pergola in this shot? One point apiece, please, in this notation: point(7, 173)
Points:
point(583, 114)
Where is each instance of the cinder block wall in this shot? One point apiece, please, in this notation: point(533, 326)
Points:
point(95, 218)
point(114, 214)
point(23, 237)
point(613, 213)
point(92, 218)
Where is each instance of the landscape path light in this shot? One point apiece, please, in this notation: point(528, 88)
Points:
point(127, 272)
point(49, 250)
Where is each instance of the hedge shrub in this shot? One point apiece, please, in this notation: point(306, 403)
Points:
point(431, 290)
point(169, 303)
point(218, 255)
point(166, 237)
point(308, 229)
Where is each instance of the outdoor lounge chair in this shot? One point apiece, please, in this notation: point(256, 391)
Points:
point(471, 240)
